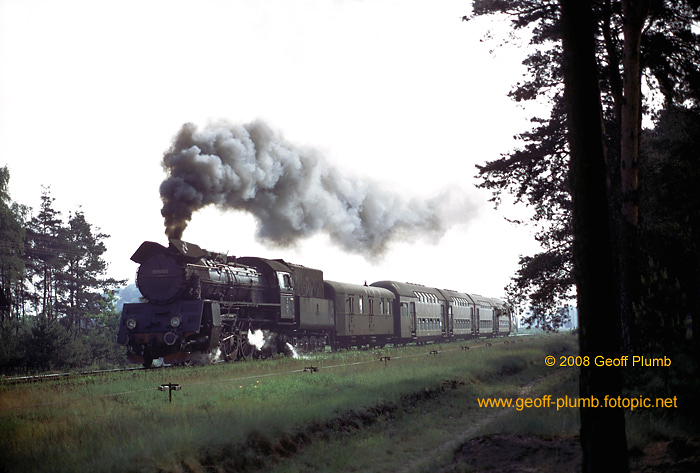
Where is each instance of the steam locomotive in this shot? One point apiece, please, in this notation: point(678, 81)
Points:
point(201, 305)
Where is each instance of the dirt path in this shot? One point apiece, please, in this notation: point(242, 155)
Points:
point(530, 453)
point(447, 448)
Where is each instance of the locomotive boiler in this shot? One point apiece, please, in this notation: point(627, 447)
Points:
point(200, 305)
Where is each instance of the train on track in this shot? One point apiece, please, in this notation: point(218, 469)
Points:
point(202, 305)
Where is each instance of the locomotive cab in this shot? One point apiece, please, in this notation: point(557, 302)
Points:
point(304, 315)
point(286, 296)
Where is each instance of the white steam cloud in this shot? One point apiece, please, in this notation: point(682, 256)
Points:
point(293, 192)
point(257, 339)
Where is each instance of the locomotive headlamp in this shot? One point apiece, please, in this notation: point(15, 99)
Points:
point(131, 324)
point(175, 322)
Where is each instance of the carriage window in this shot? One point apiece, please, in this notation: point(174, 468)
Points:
point(359, 305)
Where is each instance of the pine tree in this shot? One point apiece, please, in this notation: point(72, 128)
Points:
point(11, 251)
point(42, 250)
point(81, 284)
point(12, 280)
point(603, 441)
point(536, 173)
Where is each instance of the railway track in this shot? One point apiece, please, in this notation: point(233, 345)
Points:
point(77, 374)
point(56, 376)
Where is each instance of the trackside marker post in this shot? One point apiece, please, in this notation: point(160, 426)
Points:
point(170, 387)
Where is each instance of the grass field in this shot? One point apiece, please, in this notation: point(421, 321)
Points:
point(239, 414)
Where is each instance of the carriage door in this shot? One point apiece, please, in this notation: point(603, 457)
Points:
point(444, 321)
point(413, 317)
point(450, 321)
point(286, 297)
point(407, 328)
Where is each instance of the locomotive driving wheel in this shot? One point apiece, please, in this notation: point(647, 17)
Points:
point(237, 347)
point(246, 350)
point(228, 349)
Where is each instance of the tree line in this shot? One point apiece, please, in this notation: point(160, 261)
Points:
point(616, 204)
point(651, 170)
point(57, 307)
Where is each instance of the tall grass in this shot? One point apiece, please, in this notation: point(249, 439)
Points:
point(121, 422)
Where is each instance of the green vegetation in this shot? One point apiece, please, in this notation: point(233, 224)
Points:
point(426, 436)
point(356, 413)
point(245, 412)
point(57, 308)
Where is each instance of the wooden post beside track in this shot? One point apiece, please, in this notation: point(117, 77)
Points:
point(170, 387)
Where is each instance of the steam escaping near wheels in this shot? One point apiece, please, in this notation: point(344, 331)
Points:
point(257, 339)
point(292, 351)
point(292, 191)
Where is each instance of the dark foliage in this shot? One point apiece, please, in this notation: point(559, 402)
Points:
point(536, 172)
point(669, 309)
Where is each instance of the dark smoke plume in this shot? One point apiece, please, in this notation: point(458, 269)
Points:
point(292, 191)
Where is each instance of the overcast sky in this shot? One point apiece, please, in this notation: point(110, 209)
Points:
point(399, 93)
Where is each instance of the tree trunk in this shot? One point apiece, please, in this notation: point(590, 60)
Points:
point(603, 439)
point(634, 15)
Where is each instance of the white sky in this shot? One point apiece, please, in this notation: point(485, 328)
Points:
point(403, 91)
